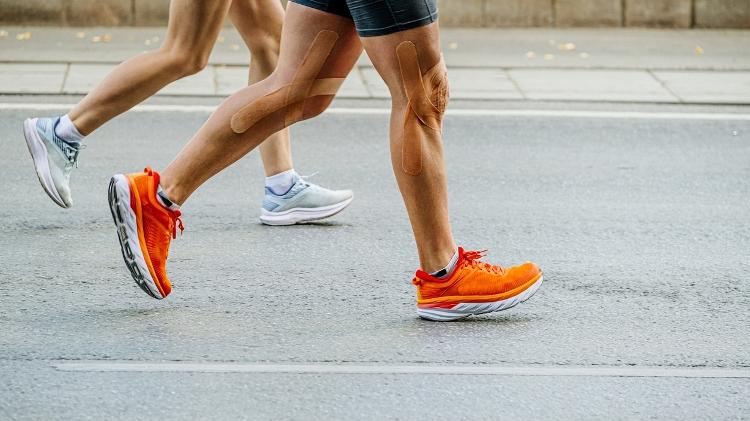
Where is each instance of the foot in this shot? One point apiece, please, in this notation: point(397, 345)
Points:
point(145, 229)
point(54, 159)
point(474, 287)
point(304, 202)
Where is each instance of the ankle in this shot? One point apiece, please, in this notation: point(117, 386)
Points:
point(437, 259)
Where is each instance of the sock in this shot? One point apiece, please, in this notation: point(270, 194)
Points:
point(67, 131)
point(164, 200)
point(281, 183)
point(448, 269)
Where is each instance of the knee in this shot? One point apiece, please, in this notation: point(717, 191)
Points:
point(186, 63)
point(316, 106)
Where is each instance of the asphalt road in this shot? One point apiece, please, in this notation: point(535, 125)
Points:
point(641, 226)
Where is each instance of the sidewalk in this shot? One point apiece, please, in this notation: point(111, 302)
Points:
point(609, 65)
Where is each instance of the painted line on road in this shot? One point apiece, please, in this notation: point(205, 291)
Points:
point(626, 115)
point(471, 370)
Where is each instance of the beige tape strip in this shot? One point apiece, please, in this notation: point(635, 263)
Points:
point(422, 116)
point(304, 85)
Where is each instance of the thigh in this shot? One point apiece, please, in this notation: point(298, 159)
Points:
point(195, 24)
point(384, 17)
point(301, 26)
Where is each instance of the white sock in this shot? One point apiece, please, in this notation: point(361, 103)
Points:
point(281, 183)
point(448, 269)
point(164, 200)
point(67, 131)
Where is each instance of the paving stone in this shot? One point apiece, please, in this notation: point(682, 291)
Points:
point(230, 79)
point(482, 84)
point(151, 12)
point(659, 13)
point(722, 13)
point(515, 13)
point(461, 12)
point(32, 12)
point(98, 12)
point(83, 77)
point(588, 12)
point(17, 78)
point(712, 87)
point(590, 85)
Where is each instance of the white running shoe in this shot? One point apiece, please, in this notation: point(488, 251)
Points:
point(54, 158)
point(304, 202)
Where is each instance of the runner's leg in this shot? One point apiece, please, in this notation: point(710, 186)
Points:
point(425, 194)
point(259, 23)
point(192, 31)
point(216, 146)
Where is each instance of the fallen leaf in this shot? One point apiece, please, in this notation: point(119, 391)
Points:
point(453, 45)
point(530, 55)
point(568, 46)
point(147, 42)
point(220, 39)
point(584, 55)
point(80, 35)
point(96, 38)
point(23, 36)
point(698, 50)
point(234, 47)
point(549, 56)
point(3, 34)
point(106, 38)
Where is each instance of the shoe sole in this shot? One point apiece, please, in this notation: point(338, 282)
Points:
point(127, 234)
point(38, 152)
point(462, 310)
point(302, 215)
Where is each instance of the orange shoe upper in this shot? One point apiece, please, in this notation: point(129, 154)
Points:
point(157, 225)
point(475, 280)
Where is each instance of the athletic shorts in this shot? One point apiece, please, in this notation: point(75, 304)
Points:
point(379, 17)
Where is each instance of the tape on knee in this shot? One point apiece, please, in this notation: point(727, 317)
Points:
point(428, 96)
point(304, 85)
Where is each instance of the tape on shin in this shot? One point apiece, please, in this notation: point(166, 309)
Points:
point(428, 96)
point(305, 84)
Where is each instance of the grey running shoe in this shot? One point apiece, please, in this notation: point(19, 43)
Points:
point(304, 202)
point(54, 158)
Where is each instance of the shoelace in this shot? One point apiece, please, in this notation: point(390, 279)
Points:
point(176, 223)
point(472, 259)
point(174, 214)
point(71, 153)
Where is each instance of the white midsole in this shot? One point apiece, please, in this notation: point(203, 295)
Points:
point(461, 310)
point(296, 215)
point(122, 189)
point(41, 164)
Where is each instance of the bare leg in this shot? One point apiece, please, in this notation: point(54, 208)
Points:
point(215, 146)
point(425, 194)
point(259, 23)
point(193, 29)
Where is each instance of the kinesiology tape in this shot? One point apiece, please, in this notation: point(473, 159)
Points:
point(304, 85)
point(428, 97)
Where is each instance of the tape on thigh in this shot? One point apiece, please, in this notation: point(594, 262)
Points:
point(428, 97)
point(304, 85)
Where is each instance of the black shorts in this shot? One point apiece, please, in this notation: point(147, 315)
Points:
point(379, 17)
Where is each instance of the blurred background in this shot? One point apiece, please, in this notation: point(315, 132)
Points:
point(463, 13)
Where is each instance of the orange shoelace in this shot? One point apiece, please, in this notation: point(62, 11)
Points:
point(472, 257)
point(174, 214)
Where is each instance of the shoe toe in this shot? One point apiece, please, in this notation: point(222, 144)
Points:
point(524, 272)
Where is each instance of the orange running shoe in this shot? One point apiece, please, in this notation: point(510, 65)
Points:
point(474, 287)
point(145, 228)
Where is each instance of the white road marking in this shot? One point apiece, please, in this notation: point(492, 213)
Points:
point(622, 115)
point(453, 369)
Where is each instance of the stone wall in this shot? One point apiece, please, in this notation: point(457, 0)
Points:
point(465, 13)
